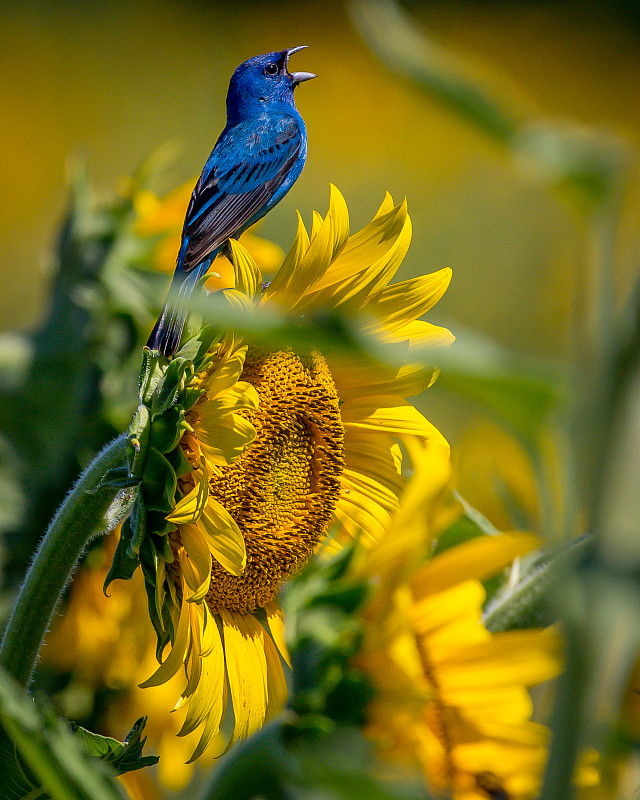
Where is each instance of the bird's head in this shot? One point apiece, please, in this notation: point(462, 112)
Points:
point(261, 81)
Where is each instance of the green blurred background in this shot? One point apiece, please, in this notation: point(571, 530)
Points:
point(113, 82)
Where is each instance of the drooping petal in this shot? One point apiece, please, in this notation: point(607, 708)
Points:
point(247, 672)
point(175, 659)
point(418, 334)
point(224, 539)
point(276, 683)
point(207, 702)
point(189, 509)
point(275, 619)
point(195, 562)
point(355, 379)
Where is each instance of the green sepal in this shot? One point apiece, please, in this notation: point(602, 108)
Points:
point(177, 374)
point(196, 348)
point(167, 552)
point(159, 482)
point(152, 372)
point(138, 440)
point(138, 522)
point(118, 478)
point(158, 524)
point(166, 430)
point(190, 397)
point(122, 756)
point(178, 462)
point(123, 564)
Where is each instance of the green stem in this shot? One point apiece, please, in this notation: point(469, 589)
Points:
point(85, 513)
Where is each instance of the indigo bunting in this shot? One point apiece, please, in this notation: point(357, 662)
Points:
point(256, 160)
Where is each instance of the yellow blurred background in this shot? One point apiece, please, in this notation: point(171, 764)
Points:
point(113, 82)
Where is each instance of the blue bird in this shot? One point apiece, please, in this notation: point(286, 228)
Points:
point(256, 160)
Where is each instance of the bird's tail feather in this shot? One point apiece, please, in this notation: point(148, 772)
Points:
point(167, 331)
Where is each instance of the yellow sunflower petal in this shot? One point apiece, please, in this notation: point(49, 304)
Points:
point(283, 275)
point(361, 518)
point(404, 302)
point(208, 701)
point(227, 372)
point(240, 397)
point(275, 619)
point(339, 215)
point(367, 261)
point(510, 658)
point(407, 536)
point(418, 334)
point(276, 683)
point(358, 379)
point(312, 264)
point(389, 414)
point(224, 539)
point(442, 615)
point(195, 562)
point(189, 509)
point(385, 207)
point(248, 278)
point(227, 443)
point(246, 669)
point(371, 488)
point(175, 659)
point(478, 558)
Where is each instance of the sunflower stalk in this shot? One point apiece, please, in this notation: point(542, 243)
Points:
point(93, 506)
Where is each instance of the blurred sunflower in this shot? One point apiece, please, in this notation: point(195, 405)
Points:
point(450, 695)
point(104, 643)
point(281, 444)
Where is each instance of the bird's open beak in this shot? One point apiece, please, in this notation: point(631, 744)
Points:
point(298, 77)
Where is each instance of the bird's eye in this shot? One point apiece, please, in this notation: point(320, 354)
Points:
point(271, 69)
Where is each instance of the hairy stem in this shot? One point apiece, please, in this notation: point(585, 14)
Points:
point(85, 512)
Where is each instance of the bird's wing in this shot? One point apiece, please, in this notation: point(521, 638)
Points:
point(228, 196)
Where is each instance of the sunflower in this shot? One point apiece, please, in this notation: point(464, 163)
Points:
point(450, 696)
point(282, 447)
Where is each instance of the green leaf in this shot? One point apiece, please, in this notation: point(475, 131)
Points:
point(123, 756)
point(58, 765)
point(152, 372)
point(138, 522)
point(124, 564)
point(411, 53)
point(159, 482)
point(196, 348)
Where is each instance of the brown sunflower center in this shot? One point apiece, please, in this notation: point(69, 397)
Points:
point(283, 489)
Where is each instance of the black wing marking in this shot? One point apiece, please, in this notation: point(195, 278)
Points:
point(223, 203)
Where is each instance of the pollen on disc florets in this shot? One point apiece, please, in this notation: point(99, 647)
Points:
point(283, 490)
